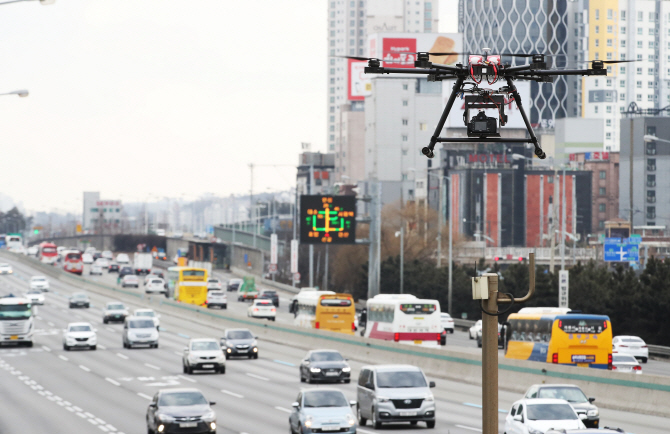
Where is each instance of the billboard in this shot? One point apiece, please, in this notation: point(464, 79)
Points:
point(359, 84)
point(327, 219)
point(514, 119)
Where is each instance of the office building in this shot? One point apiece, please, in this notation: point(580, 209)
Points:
point(90, 200)
point(604, 168)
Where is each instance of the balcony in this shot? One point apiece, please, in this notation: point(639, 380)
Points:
point(651, 199)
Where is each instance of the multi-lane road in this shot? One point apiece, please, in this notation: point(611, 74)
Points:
point(47, 389)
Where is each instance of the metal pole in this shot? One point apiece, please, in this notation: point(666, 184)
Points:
point(402, 257)
point(311, 246)
point(630, 177)
point(574, 220)
point(563, 223)
point(490, 359)
point(325, 275)
point(554, 217)
point(439, 224)
point(451, 243)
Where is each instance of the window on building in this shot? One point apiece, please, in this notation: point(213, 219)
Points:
point(639, 31)
point(651, 45)
point(638, 84)
point(332, 137)
point(405, 87)
point(609, 14)
point(652, 17)
point(639, 44)
point(608, 136)
point(651, 180)
point(404, 137)
point(595, 84)
point(622, 83)
point(596, 56)
point(595, 109)
point(650, 98)
point(597, 29)
point(640, 15)
point(638, 97)
point(623, 15)
point(609, 56)
point(622, 97)
point(602, 191)
point(405, 103)
point(650, 71)
point(550, 179)
point(597, 15)
point(609, 42)
point(639, 70)
point(404, 121)
point(423, 126)
point(601, 224)
point(608, 122)
point(602, 174)
point(608, 109)
point(576, 18)
point(623, 30)
point(597, 42)
point(623, 43)
point(650, 84)
point(404, 152)
point(602, 207)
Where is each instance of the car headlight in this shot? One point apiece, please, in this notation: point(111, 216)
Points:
point(382, 399)
point(534, 431)
point(314, 370)
point(209, 416)
point(165, 418)
point(308, 421)
point(429, 398)
point(351, 420)
point(346, 369)
point(592, 413)
point(255, 349)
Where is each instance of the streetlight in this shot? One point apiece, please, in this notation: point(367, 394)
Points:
point(21, 93)
point(652, 138)
point(401, 234)
point(42, 2)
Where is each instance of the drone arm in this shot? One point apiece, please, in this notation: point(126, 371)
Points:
point(446, 68)
point(548, 72)
point(517, 99)
point(382, 70)
point(428, 150)
point(517, 69)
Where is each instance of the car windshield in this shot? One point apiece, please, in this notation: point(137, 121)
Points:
point(15, 311)
point(145, 313)
point(570, 394)
point(130, 277)
point(34, 291)
point(621, 358)
point(141, 324)
point(213, 280)
point(156, 281)
point(216, 293)
point(326, 356)
point(116, 306)
point(182, 398)
point(80, 328)
point(633, 340)
point(239, 334)
point(205, 346)
point(325, 398)
point(550, 412)
point(79, 296)
point(397, 379)
point(38, 279)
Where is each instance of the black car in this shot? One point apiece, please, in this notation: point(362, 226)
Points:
point(324, 365)
point(79, 299)
point(234, 284)
point(113, 268)
point(239, 342)
point(270, 295)
point(124, 271)
point(180, 411)
point(97, 255)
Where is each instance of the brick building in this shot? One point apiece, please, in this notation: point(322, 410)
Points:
point(604, 167)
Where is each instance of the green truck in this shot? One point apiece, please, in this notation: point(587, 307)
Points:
point(247, 291)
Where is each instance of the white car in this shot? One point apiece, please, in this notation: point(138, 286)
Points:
point(95, 269)
point(6, 269)
point(536, 416)
point(90, 250)
point(262, 308)
point(204, 353)
point(32, 251)
point(35, 296)
point(217, 298)
point(475, 329)
point(79, 335)
point(155, 285)
point(625, 363)
point(130, 280)
point(39, 282)
point(214, 283)
point(150, 314)
point(107, 254)
point(447, 322)
point(102, 262)
point(114, 311)
point(122, 258)
point(87, 258)
point(631, 345)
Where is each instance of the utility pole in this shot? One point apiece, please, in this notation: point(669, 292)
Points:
point(440, 216)
point(451, 243)
point(563, 222)
point(401, 234)
point(554, 218)
point(375, 238)
point(630, 176)
point(311, 246)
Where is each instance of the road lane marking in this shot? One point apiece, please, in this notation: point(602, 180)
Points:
point(257, 376)
point(187, 379)
point(111, 329)
point(178, 353)
point(123, 356)
point(114, 382)
point(285, 410)
point(62, 357)
point(469, 404)
point(283, 363)
point(149, 365)
point(84, 368)
point(46, 348)
point(228, 392)
point(183, 335)
point(51, 324)
point(102, 347)
point(469, 427)
point(144, 396)
point(365, 431)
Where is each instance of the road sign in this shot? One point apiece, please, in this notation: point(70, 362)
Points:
point(621, 252)
point(294, 256)
point(563, 288)
point(273, 249)
point(612, 240)
point(296, 277)
point(327, 219)
point(272, 268)
point(634, 239)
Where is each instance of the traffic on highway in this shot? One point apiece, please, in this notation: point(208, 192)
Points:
point(121, 361)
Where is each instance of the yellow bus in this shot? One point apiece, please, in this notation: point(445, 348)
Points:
point(326, 310)
point(188, 284)
point(554, 335)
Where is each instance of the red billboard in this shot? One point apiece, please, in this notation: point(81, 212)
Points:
point(399, 52)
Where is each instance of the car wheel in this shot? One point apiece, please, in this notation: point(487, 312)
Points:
point(644, 360)
point(479, 343)
point(225, 306)
point(94, 347)
point(189, 370)
point(66, 348)
point(309, 379)
point(347, 381)
point(373, 420)
point(222, 370)
point(256, 356)
point(184, 369)
point(105, 321)
point(361, 420)
point(430, 424)
point(470, 335)
point(451, 331)
point(302, 379)
point(413, 422)
point(227, 356)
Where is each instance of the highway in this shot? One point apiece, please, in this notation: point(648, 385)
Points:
point(47, 389)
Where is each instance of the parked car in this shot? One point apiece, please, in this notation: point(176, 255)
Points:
point(582, 405)
point(239, 342)
point(626, 363)
point(472, 332)
point(203, 353)
point(39, 282)
point(214, 283)
point(180, 410)
point(79, 299)
point(139, 331)
point(217, 299)
point(130, 280)
point(113, 268)
point(234, 284)
point(79, 335)
point(149, 313)
point(122, 258)
point(383, 393)
point(35, 296)
point(447, 322)
point(114, 311)
point(87, 258)
point(271, 295)
point(262, 309)
point(324, 365)
point(631, 345)
point(322, 410)
point(530, 416)
point(124, 271)
point(155, 285)
point(95, 269)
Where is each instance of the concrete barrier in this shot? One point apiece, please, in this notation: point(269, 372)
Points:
point(643, 394)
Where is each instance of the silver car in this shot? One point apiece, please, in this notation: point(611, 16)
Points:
point(114, 311)
point(204, 354)
point(583, 406)
point(394, 393)
point(322, 410)
point(139, 331)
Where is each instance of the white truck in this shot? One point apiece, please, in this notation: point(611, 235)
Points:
point(142, 263)
point(16, 321)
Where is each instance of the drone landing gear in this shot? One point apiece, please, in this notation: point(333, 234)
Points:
point(428, 151)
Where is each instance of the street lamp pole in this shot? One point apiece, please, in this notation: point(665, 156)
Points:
point(21, 93)
point(401, 234)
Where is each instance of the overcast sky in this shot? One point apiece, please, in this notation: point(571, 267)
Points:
point(143, 99)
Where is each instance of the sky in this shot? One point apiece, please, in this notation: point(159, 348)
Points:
point(145, 99)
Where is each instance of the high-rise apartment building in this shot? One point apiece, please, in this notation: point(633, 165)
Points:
point(349, 24)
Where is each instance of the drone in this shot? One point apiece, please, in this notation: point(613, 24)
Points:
point(490, 69)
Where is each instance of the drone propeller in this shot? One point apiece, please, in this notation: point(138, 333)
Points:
point(357, 58)
point(439, 54)
point(608, 61)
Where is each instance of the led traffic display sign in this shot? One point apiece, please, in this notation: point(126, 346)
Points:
point(327, 219)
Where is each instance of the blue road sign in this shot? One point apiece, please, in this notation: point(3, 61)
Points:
point(612, 240)
point(634, 239)
point(621, 252)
